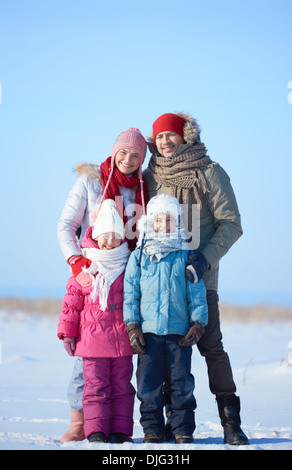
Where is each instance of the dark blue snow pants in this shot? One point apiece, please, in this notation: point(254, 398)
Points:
point(150, 379)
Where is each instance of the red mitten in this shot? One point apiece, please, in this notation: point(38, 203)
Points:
point(77, 264)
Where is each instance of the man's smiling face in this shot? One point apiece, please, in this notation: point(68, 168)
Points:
point(167, 143)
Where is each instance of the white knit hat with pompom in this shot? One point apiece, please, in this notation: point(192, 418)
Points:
point(108, 220)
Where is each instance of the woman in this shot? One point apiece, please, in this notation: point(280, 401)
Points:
point(119, 178)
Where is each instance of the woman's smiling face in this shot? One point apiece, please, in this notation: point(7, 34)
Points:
point(127, 161)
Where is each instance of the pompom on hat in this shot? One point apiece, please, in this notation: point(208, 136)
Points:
point(108, 220)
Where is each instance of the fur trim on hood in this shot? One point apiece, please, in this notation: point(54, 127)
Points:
point(191, 130)
point(89, 169)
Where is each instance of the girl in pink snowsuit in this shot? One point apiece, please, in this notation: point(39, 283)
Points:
point(91, 325)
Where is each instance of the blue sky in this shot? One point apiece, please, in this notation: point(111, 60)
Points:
point(74, 74)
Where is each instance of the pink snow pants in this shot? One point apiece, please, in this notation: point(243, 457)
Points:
point(108, 397)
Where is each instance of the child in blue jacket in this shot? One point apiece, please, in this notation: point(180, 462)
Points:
point(165, 316)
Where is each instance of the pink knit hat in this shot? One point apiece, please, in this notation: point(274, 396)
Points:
point(131, 138)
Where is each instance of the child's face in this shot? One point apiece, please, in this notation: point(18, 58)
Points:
point(108, 241)
point(164, 223)
point(127, 161)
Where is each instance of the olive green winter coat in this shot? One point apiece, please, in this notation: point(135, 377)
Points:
point(220, 222)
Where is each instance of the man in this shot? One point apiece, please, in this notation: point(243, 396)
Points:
point(180, 166)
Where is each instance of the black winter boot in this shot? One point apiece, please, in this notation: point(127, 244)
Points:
point(229, 409)
point(119, 438)
point(97, 437)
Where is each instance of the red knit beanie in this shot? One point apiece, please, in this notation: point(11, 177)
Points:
point(168, 122)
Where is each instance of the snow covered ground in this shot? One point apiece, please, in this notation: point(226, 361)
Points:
point(35, 370)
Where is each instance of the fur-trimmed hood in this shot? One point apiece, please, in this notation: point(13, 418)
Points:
point(89, 169)
point(162, 203)
point(191, 130)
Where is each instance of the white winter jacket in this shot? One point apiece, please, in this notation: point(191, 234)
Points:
point(82, 201)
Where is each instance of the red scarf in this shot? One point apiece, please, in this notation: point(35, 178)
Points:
point(119, 179)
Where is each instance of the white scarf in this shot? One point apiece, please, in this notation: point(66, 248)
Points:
point(108, 264)
point(158, 246)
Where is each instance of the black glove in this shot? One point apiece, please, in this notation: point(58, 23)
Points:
point(193, 335)
point(199, 264)
point(136, 338)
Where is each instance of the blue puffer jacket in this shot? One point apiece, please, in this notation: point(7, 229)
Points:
point(158, 297)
